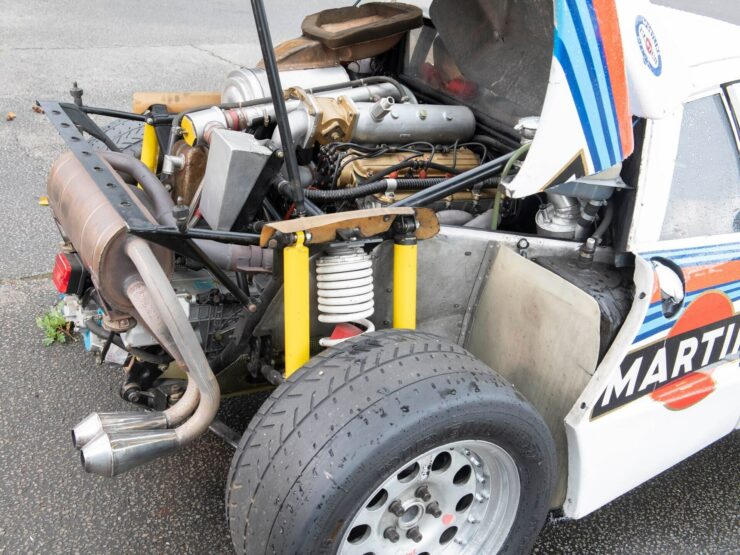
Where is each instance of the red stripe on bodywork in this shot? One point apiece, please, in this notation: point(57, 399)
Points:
point(684, 392)
point(606, 15)
point(704, 277)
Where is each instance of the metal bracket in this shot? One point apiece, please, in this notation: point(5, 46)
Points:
point(108, 184)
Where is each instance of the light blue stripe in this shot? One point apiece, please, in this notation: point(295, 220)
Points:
point(654, 325)
point(692, 251)
point(584, 11)
point(568, 34)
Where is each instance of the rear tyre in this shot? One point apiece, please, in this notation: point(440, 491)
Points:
point(334, 460)
point(125, 134)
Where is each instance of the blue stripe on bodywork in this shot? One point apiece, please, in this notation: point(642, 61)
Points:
point(590, 50)
point(561, 54)
point(608, 81)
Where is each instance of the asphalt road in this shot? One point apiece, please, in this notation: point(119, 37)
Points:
point(47, 505)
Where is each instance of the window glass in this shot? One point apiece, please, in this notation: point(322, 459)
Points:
point(705, 190)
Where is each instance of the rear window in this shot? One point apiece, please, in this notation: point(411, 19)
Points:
point(705, 189)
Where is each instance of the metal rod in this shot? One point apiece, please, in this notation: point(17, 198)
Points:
point(276, 92)
point(113, 113)
point(234, 237)
point(454, 184)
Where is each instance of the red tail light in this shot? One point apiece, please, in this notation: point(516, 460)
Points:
point(62, 272)
point(69, 274)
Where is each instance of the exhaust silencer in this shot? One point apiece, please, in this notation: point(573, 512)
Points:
point(109, 454)
point(111, 422)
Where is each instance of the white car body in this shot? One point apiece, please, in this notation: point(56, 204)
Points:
point(631, 423)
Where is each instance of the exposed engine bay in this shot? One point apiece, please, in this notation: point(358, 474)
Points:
point(205, 214)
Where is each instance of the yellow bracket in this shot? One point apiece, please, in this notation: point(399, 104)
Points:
point(296, 301)
point(404, 285)
point(150, 148)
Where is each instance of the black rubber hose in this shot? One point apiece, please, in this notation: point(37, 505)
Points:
point(605, 223)
point(462, 181)
point(409, 164)
point(411, 184)
point(118, 342)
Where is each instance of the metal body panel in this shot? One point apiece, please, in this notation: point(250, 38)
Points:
point(541, 333)
point(235, 162)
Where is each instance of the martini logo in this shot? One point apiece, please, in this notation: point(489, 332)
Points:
point(648, 43)
point(707, 332)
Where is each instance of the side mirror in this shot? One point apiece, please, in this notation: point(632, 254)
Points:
point(672, 285)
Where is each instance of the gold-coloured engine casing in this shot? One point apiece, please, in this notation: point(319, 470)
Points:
point(357, 171)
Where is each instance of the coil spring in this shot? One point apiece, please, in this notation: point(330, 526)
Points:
point(344, 279)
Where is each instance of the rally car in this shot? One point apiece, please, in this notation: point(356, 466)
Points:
point(486, 254)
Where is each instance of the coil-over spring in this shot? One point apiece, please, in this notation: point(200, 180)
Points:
point(344, 277)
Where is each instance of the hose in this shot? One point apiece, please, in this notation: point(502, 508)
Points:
point(225, 255)
point(383, 185)
point(184, 337)
point(604, 223)
point(496, 214)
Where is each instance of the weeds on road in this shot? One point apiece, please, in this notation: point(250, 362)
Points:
point(56, 328)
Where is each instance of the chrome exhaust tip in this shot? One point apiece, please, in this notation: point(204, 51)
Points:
point(110, 422)
point(110, 454)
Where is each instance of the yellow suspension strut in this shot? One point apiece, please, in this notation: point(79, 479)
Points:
point(150, 148)
point(296, 309)
point(404, 274)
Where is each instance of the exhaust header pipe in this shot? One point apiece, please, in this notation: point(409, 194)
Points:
point(112, 443)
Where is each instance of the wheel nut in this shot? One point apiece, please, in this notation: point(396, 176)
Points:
point(414, 534)
point(391, 534)
point(396, 508)
point(434, 510)
point(422, 492)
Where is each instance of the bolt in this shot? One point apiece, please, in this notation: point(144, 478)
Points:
point(396, 508)
point(414, 534)
point(391, 534)
point(422, 492)
point(434, 510)
point(280, 154)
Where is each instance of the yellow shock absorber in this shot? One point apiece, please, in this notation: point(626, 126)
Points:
point(296, 309)
point(404, 283)
point(150, 148)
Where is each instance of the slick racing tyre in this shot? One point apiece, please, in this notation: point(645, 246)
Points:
point(391, 442)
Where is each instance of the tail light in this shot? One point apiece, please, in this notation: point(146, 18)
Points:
point(69, 274)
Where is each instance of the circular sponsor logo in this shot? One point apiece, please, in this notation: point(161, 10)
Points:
point(648, 45)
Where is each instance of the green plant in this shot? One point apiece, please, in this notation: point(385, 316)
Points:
point(55, 327)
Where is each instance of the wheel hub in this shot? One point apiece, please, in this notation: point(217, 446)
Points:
point(459, 498)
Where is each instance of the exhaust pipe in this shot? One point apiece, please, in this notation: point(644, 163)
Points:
point(112, 454)
point(97, 423)
point(126, 440)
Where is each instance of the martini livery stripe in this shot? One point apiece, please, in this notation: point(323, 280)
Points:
point(589, 49)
